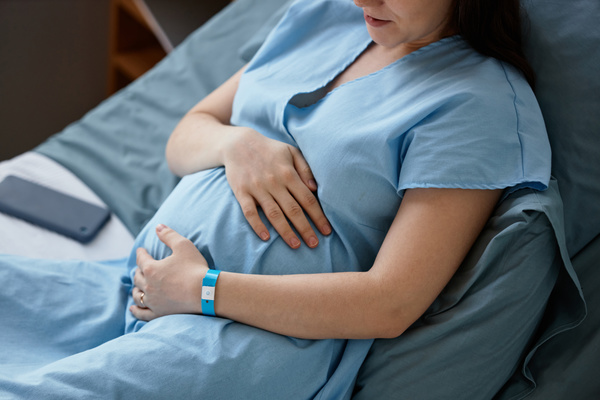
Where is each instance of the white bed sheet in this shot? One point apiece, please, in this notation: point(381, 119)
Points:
point(22, 238)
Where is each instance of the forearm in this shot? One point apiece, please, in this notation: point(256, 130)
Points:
point(429, 238)
point(198, 143)
point(316, 306)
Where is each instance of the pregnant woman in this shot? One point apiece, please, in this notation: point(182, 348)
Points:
point(395, 125)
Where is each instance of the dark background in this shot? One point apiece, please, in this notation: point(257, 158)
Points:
point(54, 63)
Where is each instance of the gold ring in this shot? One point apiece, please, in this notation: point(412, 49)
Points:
point(142, 300)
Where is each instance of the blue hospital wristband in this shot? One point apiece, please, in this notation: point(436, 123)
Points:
point(208, 292)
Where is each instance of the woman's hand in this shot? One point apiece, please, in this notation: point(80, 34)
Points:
point(172, 285)
point(261, 171)
point(276, 177)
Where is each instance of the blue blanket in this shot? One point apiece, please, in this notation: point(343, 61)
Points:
point(62, 327)
point(62, 336)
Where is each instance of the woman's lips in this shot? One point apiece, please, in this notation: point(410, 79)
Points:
point(374, 22)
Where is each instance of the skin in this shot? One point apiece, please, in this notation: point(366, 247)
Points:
point(429, 237)
point(411, 24)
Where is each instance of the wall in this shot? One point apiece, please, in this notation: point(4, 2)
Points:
point(53, 67)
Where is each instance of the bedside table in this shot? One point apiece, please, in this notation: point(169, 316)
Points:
point(142, 32)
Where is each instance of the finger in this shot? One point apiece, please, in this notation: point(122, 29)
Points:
point(142, 258)
point(309, 203)
point(307, 199)
point(136, 294)
point(277, 218)
point(303, 169)
point(297, 217)
point(250, 212)
point(171, 238)
point(144, 314)
point(139, 280)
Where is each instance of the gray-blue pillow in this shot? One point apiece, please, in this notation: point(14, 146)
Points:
point(563, 46)
point(478, 334)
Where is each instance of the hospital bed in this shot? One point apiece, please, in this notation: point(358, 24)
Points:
point(114, 156)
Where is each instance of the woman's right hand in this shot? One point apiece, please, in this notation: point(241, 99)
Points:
point(275, 176)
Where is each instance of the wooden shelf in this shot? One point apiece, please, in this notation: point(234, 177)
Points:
point(135, 63)
point(132, 8)
point(137, 41)
point(134, 47)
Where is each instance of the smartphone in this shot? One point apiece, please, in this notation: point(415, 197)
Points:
point(52, 210)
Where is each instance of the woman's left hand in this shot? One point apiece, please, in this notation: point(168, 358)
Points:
point(172, 285)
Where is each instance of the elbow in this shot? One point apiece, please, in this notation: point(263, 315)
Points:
point(396, 312)
point(174, 157)
point(391, 326)
point(386, 321)
point(395, 305)
point(398, 315)
point(171, 158)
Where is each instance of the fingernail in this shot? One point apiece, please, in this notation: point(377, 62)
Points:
point(313, 242)
point(264, 236)
point(312, 183)
point(326, 229)
point(294, 242)
point(160, 227)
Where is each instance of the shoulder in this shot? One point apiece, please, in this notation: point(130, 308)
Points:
point(469, 81)
point(482, 120)
point(481, 97)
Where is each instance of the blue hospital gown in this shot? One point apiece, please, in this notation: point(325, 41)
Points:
point(443, 116)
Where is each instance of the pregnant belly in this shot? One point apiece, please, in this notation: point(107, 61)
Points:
point(203, 209)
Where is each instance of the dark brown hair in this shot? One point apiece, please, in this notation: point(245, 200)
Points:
point(494, 28)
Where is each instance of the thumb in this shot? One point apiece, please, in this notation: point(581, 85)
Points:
point(168, 236)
